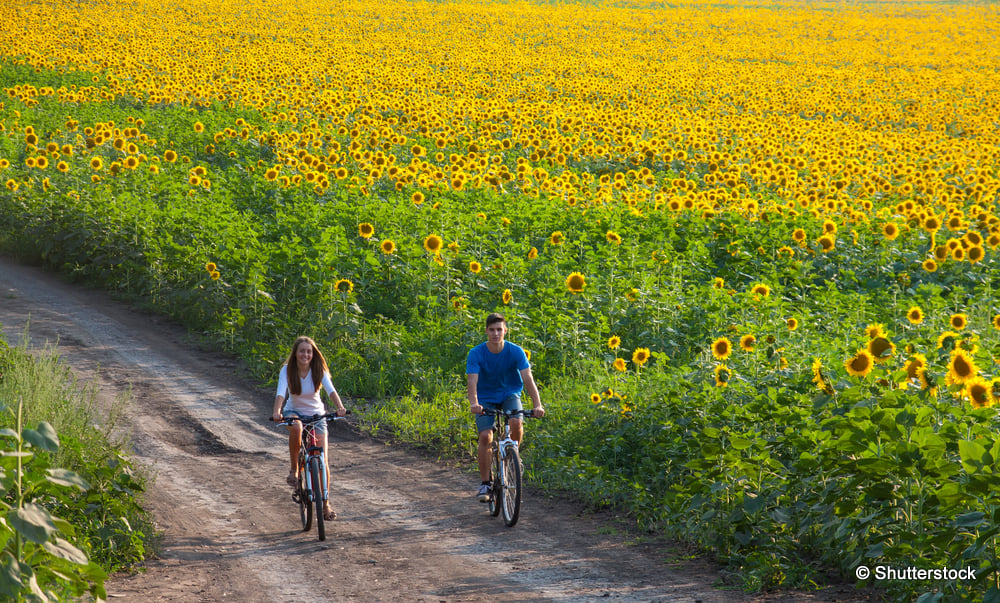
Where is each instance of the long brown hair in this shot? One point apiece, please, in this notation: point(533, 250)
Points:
point(317, 365)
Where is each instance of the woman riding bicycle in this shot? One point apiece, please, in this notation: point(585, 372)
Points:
point(303, 374)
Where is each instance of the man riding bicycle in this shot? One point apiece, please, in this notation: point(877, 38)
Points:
point(497, 371)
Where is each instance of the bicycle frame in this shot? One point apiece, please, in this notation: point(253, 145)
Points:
point(506, 488)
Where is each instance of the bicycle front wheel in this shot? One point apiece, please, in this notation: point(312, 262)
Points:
point(316, 477)
point(305, 505)
point(511, 493)
point(495, 484)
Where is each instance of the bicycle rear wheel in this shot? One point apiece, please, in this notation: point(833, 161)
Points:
point(305, 506)
point(495, 484)
point(316, 475)
point(511, 492)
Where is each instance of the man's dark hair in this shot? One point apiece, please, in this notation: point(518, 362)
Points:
point(494, 317)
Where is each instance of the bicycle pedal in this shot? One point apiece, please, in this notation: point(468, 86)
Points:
point(295, 497)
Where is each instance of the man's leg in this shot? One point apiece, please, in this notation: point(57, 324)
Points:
point(484, 452)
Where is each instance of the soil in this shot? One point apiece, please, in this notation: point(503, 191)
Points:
point(409, 527)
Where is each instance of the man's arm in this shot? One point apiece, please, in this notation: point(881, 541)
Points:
point(532, 389)
point(471, 381)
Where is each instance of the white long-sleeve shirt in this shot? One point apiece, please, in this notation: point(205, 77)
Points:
point(308, 402)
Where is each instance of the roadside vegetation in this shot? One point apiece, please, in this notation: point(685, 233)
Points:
point(752, 254)
point(70, 496)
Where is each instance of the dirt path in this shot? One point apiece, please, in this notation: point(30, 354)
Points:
point(409, 527)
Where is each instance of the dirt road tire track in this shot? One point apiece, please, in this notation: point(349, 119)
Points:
point(409, 528)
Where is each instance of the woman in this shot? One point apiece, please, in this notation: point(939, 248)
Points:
point(301, 376)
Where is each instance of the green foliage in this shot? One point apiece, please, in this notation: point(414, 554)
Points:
point(107, 517)
point(785, 468)
point(38, 561)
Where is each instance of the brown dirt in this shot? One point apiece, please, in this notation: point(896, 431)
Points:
point(409, 527)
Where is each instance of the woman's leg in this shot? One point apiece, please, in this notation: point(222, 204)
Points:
point(294, 442)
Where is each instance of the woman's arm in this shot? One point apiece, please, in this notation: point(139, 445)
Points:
point(334, 396)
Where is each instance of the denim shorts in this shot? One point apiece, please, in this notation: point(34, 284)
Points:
point(485, 423)
point(320, 427)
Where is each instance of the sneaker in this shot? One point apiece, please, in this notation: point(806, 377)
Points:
point(484, 493)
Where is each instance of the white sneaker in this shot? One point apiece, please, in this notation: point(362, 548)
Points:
point(484, 493)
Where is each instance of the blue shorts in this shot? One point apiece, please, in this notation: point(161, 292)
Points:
point(486, 423)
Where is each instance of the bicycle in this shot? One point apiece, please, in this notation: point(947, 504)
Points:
point(505, 468)
point(313, 487)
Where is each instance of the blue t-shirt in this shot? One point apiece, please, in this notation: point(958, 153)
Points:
point(499, 374)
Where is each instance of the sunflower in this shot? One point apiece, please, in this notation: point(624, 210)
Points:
point(930, 265)
point(718, 283)
point(62, 166)
point(365, 230)
point(344, 286)
point(595, 398)
point(433, 243)
point(613, 237)
point(915, 368)
point(747, 343)
point(915, 315)
point(931, 224)
point(860, 364)
point(418, 151)
point(417, 198)
point(614, 342)
point(819, 378)
point(722, 348)
point(829, 227)
point(996, 322)
point(199, 127)
point(979, 392)
point(556, 238)
point(215, 275)
point(799, 235)
point(475, 267)
point(760, 290)
point(959, 321)
point(575, 282)
point(793, 323)
point(532, 253)
point(131, 162)
point(619, 364)
point(507, 296)
point(975, 254)
point(632, 294)
point(458, 303)
point(96, 164)
point(722, 375)
point(210, 267)
point(194, 180)
point(271, 175)
point(169, 156)
point(947, 340)
point(388, 246)
point(875, 330)
point(961, 368)
point(826, 243)
point(640, 356)
point(881, 349)
point(890, 231)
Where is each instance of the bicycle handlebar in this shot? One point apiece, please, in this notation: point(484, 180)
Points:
point(496, 412)
point(329, 417)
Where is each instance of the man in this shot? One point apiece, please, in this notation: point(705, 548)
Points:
point(496, 373)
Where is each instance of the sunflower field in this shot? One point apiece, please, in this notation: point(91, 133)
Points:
point(751, 248)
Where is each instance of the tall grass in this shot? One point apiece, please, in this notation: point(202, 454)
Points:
point(110, 520)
